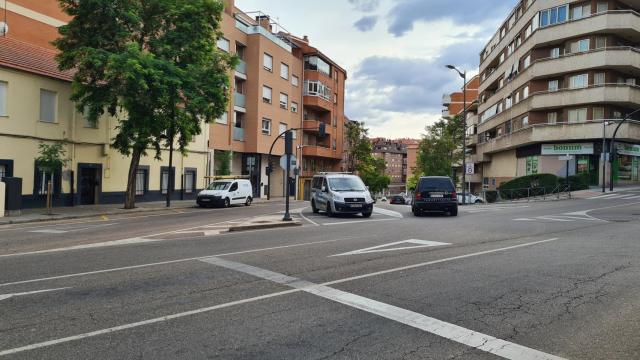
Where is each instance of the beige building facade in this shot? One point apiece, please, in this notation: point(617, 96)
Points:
point(555, 78)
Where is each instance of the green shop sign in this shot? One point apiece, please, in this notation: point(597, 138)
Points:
point(627, 149)
point(567, 149)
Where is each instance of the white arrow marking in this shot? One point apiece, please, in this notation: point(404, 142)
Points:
point(385, 247)
point(8, 296)
point(387, 212)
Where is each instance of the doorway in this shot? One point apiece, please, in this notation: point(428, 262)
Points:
point(89, 183)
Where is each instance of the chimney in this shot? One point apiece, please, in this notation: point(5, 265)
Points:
point(264, 21)
point(305, 38)
point(229, 5)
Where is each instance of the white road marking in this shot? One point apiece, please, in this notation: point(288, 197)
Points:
point(387, 212)
point(474, 339)
point(602, 196)
point(133, 267)
point(8, 296)
point(48, 231)
point(62, 231)
point(549, 218)
point(306, 218)
point(389, 247)
point(355, 222)
point(229, 304)
point(632, 197)
point(524, 219)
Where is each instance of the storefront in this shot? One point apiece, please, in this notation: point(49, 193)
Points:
point(582, 160)
point(627, 165)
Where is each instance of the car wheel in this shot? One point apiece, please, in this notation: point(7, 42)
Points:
point(454, 212)
point(367, 214)
point(416, 212)
point(248, 201)
point(314, 208)
point(227, 202)
point(329, 211)
point(478, 201)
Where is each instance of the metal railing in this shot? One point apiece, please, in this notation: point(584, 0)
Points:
point(533, 194)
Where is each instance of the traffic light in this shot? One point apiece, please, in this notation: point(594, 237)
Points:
point(322, 130)
point(288, 143)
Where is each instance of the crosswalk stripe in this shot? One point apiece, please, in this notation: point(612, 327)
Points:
point(602, 196)
point(632, 197)
point(387, 212)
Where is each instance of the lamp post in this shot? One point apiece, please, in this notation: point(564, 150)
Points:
point(604, 153)
point(613, 143)
point(463, 75)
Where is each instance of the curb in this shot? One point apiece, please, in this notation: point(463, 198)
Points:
point(272, 225)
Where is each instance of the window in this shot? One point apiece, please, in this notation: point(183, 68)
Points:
point(525, 121)
point(223, 119)
point(501, 83)
point(553, 16)
point(317, 88)
point(223, 44)
point(85, 118)
point(335, 145)
point(141, 181)
point(266, 94)
point(577, 115)
point(598, 113)
point(555, 53)
point(501, 58)
point(48, 100)
point(3, 171)
point(507, 127)
point(527, 61)
point(631, 81)
point(601, 42)
point(578, 12)
point(553, 85)
point(43, 179)
point(294, 80)
point(316, 63)
point(602, 6)
point(552, 118)
point(335, 121)
point(284, 101)
point(164, 180)
point(617, 114)
point(525, 92)
point(517, 97)
point(532, 165)
point(599, 79)
point(267, 62)
point(508, 102)
point(579, 81)
point(284, 71)
point(3, 98)
point(282, 127)
point(580, 46)
point(294, 134)
point(266, 127)
point(294, 107)
point(189, 181)
point(335, 98)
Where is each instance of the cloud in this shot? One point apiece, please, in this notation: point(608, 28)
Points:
point(365, 5)
point(405, 13)
point(367, 23)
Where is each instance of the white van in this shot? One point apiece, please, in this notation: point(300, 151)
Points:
point(226, 193)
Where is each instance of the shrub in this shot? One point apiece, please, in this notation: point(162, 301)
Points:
point(524, 186)
point(578, 182)
point(491, 196)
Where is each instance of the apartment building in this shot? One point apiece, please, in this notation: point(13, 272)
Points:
point(453, 104)
point(555, 77)
point(35, 108)
point(281, 82)
point(394, 153)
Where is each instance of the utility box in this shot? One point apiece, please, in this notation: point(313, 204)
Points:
point(2, 186)
point(13, 196)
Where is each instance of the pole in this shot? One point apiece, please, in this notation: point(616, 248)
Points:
point(604, 155)
point(464, 136)
point(171, 175)
point(287, 216)
point(567, 178)
point(612, 151)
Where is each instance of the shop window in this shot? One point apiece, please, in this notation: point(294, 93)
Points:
point(532, 165)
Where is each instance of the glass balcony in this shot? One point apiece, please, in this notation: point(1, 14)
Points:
point(238, 134)
point(242, 67)
point(239, 100)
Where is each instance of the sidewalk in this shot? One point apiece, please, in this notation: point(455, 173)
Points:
point(88, 211)
point(597, 191)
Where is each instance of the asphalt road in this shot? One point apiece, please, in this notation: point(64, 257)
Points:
point(544, 280)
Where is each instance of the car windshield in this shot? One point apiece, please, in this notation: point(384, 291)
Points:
point(436, 185)
point(219, 185)
point(346, 184)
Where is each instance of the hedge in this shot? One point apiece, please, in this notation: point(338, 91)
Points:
point(530, 185)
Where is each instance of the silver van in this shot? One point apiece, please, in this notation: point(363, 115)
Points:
point(340, 193)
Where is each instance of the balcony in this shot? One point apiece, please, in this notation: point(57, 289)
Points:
point(311, 125)
point(239, 100)
point(560, 132)
point(446, 100)
point(317, 103)
point(241, 69)
point(445, 113)
point(472, 140)
point(238, 134)
point(320, 151)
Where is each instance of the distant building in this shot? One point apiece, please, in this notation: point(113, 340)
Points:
point(394, 153)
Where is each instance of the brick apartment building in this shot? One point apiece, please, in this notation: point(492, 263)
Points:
point(282, 82)
point(552, 78)
point(394, 153)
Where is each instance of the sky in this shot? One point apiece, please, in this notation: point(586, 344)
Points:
point(394, 51)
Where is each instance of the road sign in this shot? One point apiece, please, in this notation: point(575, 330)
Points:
point(283, 162)
point(470, 169)
point(565, 158)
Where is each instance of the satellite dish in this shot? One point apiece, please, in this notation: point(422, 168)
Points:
point(4, 28)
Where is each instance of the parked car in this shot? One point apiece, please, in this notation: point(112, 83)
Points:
point(471, 199)
point(397, 200)
point(226, 193)
point(435, 194)
point(338, 193)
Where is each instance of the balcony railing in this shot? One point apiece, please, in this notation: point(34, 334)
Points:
point(241, 67)
point(238, 134)
point(239, 100)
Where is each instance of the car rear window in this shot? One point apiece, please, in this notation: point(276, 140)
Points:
point(436, 184)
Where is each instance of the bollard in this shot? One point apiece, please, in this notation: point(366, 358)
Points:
point(2, 196)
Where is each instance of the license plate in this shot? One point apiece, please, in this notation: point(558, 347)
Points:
point(356, 205)
point(437, 195)
point(205, 200)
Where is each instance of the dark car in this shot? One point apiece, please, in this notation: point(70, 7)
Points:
point(397, 199)
point(435, 194)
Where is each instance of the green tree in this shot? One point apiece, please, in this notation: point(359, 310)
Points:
point(224, 165)
point(359, 147)
point(440, 148)
point(51, 159)
point(153, 64)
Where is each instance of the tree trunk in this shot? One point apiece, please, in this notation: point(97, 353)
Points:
point(49, 196)
point(130, 194)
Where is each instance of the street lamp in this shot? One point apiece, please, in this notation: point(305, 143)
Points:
point(463, 75)
point(604, 153)
point(613, 142)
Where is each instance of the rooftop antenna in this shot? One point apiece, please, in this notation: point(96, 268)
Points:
point(4, 28)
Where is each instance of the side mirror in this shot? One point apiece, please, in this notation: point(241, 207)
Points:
point(324, 189)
